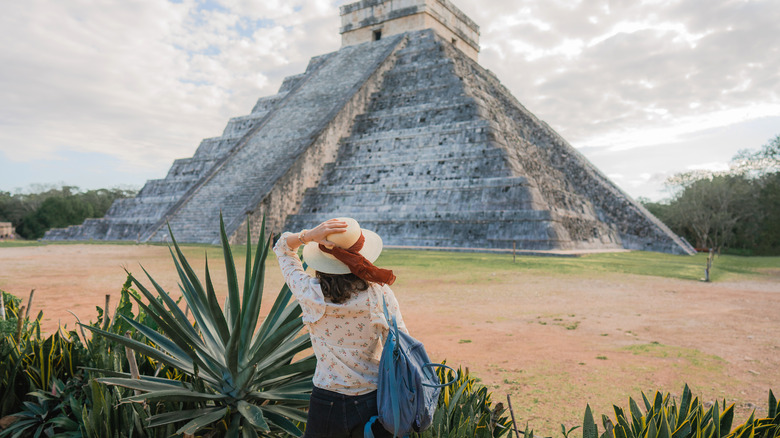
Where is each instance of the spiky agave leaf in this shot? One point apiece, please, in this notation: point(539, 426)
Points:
point(240, 373)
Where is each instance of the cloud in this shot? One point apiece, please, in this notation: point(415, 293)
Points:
point(142, 82)
point(594, 69)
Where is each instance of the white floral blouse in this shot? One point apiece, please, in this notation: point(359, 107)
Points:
point(347, 338)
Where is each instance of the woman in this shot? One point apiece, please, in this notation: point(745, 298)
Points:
point(343, 311)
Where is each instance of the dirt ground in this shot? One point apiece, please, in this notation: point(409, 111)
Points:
point(552, 342)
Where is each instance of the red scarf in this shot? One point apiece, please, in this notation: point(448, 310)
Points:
point(358, 264)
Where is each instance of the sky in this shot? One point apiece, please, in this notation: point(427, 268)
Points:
point(107, 93)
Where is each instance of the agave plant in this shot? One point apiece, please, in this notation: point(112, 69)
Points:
point(242, 378)
point(663, 418)
point(466, 410)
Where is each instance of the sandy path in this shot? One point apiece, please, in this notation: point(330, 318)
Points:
point(554, 343)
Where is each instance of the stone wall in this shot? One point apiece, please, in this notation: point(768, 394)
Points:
point(6, 230)
point(360, 21)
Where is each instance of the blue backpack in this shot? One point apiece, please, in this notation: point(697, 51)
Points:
point(408, 388)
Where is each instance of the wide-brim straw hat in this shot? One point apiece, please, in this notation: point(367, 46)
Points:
point(327, 263)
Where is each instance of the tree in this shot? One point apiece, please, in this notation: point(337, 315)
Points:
point(737, 209)
point(51, 207)
point(769, 201)
point(762, 162)
point(711, 211)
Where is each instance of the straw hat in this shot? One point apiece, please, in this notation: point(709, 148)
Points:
point(327, 263)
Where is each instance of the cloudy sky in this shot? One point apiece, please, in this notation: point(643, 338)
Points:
point(105, 93)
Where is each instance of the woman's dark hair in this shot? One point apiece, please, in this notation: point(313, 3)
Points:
point(340, 287)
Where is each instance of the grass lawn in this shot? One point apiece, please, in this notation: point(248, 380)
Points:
point(476, 267)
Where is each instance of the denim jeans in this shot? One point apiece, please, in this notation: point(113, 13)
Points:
point(334, 415)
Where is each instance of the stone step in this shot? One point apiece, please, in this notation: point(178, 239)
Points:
point(251, 172)
point(450, 168)
point(491, 229)
point(416, 133)
point(443, 103)
point(267, 103)
point(398, 103)
point(427, 117)
point(401, 215)
point(401, 187)
point(238, 126)
point(424, 149)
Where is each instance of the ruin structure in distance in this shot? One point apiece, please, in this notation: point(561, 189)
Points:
point(403, 130)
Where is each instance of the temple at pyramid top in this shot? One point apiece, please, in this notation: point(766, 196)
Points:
point(404, 131)
point(370, 20)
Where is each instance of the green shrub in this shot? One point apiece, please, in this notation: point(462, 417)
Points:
point(663, 418)
point(466, 410)
point(240, 377)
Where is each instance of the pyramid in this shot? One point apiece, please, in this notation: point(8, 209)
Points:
point(403, 130)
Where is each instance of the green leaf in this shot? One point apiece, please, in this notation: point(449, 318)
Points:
point(726, 418)
point(618, 412)
point(636, 417)
point(303, 366)
point(664, 431)
point(286, 351)
point(683, 431)
point(280, 338)
point(253, 414)
point(142, 385)
point(196, 424)
point(648, 406)
point(142, 348)
point(715, 418)
point(747, 432)
point(161, 341)
point(232, 350)
point(623, 429)
point(248, 263)
point(284, 423)
point(249, 432)
point(179, 395)
point(774, 407)
point(214, 310)
point(266, 329)
point(195, 296)
point(233, 305)
point(658, 402)
point(651, 431)
point(685, 406)
point(172, 306)
point(295, 414)
point(175, 416)
point(253, 295)
point(589, 429)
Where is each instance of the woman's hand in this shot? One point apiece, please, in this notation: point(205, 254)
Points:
point(321, 232)
point(317, 234)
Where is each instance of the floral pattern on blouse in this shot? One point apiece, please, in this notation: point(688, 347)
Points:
point(346, 338)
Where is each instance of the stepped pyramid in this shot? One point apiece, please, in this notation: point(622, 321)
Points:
point(403, 130)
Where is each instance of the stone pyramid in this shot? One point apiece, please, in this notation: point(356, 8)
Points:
point(403, 130)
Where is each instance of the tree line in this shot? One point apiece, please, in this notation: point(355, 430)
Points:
point(32, 214)
point(737, 211)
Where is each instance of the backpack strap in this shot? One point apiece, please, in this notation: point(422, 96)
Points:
point(439, 365)
point(392, 336)
point(367, 432)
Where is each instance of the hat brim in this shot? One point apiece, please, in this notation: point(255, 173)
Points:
point(327, 263)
